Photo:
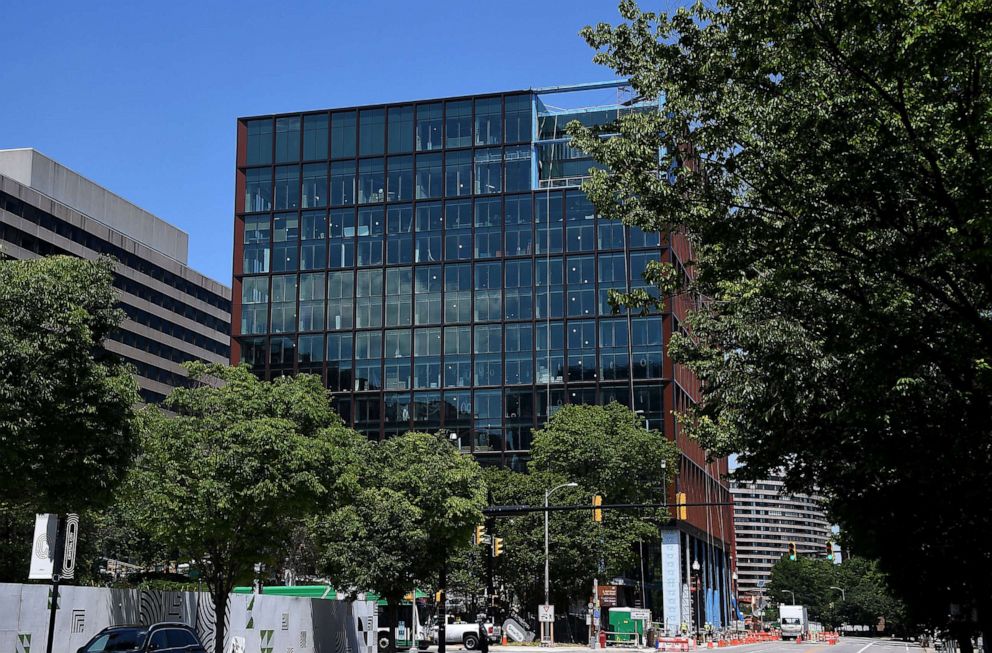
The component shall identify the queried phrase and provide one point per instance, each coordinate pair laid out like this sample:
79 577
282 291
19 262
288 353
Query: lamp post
793 596
547 566
843 594
695 572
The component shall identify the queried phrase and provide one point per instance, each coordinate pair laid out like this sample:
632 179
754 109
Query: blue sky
142 97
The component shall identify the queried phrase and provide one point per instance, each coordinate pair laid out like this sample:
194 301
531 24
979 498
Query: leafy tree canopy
223 480
67 431
831 162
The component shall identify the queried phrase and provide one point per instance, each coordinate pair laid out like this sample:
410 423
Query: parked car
161 638
465 633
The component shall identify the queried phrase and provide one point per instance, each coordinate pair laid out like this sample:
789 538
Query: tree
830 163
67 431
605 450
223 480
865 597
415 505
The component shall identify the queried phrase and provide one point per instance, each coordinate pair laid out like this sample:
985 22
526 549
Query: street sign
640 615
43 547
546 613
761 583
608 596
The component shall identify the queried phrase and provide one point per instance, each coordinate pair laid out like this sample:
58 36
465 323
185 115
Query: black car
157 637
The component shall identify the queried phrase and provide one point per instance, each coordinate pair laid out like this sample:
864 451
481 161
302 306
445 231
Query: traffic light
497 547
681 512
597 512
792 550
439 596
830 550
480 533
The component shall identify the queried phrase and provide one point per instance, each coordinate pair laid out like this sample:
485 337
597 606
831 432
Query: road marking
865 647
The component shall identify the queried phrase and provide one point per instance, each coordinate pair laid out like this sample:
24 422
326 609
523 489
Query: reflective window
287 187
254 305
259 142
426 409
398 348
488 123
253 352
339 350
457 173
399 238
581 278
429 176
400 179
429 127
426 358
646 347
313 250
428 239
488 171
287 139
427 296
371 181
340 296
371 226
315 136
285 238
614 361
342 182
342 238
256 247
458 124
372 132
549 343
457 293
548 223
639 238
400 121
612 276
488 346
258 189
458 230
518 169
488 292
519 293
580 223
519 226
457 356
399 297
282 354
518 118
314 185
283 303
312 287
550 299
610 234
488 228
581 335
343 134
311 353
519 348
368 299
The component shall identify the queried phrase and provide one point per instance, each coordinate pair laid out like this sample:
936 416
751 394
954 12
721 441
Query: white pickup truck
464 632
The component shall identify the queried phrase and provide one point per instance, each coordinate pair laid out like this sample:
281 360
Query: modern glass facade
437 264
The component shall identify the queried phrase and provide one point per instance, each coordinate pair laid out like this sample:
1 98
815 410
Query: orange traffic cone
503 641
799 639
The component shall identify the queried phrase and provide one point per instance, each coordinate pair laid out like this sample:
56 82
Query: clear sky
142 97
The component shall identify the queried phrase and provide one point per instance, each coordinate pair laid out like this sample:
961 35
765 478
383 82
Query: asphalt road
844 645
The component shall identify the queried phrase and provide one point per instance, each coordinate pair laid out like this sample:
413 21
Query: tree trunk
219 594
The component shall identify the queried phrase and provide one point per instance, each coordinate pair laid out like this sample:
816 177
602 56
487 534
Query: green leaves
824 169
67 433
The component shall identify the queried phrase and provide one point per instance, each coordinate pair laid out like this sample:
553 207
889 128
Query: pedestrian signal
792 550
681 512
439 596
597 512
480 533
497 547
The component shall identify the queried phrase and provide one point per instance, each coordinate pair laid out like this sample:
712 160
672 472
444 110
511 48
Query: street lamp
547 566
843 594
793 596
695 571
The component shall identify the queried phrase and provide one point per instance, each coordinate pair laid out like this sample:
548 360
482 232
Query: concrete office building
173 313
766 520
437 263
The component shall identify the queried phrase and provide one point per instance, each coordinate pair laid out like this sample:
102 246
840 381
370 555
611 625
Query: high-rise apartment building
173 313
766 521
438 265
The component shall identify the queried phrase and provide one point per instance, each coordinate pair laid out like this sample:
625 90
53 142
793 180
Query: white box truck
794 621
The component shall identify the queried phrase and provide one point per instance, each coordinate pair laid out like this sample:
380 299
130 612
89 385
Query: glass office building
438 265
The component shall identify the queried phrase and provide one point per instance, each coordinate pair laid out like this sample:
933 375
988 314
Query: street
844 645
